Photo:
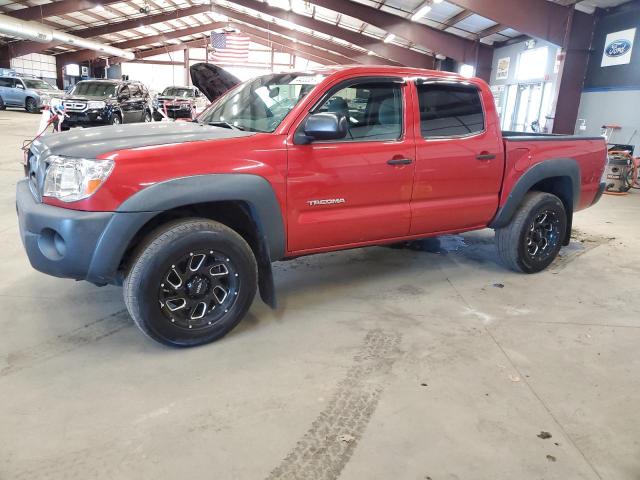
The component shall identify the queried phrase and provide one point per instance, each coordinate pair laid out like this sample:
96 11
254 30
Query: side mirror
325 126
20 86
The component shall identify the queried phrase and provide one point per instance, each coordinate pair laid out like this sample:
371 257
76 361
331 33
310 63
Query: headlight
185 106
94 104
72 179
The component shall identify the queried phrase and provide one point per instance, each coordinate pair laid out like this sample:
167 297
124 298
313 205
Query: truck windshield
260 104
37 84
177 92
95 89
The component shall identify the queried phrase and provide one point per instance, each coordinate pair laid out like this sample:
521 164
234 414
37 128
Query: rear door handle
485 156
400 161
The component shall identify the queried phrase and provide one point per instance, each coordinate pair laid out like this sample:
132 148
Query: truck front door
356 189
459 158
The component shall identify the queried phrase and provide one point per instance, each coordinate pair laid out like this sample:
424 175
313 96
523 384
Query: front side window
449 110
373 110
261 104
135 91
6 82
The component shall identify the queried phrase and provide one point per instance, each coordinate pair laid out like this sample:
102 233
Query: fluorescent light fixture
370 53
438 1
467 70
389 38
421 12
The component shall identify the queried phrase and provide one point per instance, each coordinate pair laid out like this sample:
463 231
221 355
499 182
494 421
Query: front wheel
147 116
2 104
534 236
115 119
192 283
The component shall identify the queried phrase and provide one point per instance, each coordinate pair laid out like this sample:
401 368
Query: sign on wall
618 47
502 72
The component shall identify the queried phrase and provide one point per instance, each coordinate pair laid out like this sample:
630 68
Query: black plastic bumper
58 241
599 193
75 244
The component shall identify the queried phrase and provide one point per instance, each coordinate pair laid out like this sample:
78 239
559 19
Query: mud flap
265 275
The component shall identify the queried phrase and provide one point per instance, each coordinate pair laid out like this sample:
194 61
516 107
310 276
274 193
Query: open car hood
212 81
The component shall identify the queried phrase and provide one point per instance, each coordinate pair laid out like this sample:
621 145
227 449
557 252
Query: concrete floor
379 364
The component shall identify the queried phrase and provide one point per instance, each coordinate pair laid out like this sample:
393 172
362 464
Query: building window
532 64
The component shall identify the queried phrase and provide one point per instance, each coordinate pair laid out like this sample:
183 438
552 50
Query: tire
31 105
531 241
147 116
115 119
2 104
162 277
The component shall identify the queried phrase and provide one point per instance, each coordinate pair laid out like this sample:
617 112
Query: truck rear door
357 189
459 157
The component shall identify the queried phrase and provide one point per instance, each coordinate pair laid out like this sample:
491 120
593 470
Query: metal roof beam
537 18
400 55
56 9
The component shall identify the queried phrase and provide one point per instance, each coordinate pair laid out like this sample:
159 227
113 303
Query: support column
59 73
573 70
186 67
5 58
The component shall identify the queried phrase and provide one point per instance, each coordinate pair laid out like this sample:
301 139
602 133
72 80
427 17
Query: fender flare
556 167
135 212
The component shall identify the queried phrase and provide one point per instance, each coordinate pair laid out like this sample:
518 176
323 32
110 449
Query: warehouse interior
408 356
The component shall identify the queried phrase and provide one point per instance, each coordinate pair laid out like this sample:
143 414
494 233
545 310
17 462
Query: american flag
229 47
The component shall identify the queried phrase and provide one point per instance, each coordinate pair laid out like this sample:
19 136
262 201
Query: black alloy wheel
198 289
534 236
191 282
543 236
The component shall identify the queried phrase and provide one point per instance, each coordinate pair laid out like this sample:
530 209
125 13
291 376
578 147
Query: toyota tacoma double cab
189 216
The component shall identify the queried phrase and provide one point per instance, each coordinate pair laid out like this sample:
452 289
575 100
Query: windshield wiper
225 125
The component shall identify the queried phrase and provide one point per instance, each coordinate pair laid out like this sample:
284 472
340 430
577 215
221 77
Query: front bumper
75 244
59 241
90 118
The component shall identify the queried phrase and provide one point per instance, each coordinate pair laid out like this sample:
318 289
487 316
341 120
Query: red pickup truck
189 216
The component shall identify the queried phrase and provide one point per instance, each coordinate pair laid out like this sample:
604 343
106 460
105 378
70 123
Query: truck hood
175 99
86 98
211 80
92 142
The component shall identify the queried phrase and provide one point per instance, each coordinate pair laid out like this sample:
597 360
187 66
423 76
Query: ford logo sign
617 48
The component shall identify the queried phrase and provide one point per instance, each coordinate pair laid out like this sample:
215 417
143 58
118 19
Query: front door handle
485 156
400 161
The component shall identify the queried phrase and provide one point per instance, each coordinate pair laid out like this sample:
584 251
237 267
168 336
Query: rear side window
449 110
6 82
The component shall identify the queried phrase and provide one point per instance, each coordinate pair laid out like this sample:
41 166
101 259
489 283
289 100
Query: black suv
106 102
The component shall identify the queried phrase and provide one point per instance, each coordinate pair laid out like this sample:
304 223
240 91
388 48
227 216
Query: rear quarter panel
590 154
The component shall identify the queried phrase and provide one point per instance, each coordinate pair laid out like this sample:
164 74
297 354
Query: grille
75 106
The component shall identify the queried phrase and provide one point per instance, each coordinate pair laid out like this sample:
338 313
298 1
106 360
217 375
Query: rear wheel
2 104
115 119
534 236
31 105
192 283
147 116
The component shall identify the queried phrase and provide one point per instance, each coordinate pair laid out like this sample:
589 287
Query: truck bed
524 151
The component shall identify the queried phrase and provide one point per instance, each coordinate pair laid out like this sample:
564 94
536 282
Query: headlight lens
95 104
72 179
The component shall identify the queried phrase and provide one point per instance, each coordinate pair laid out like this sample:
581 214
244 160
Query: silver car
28 93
